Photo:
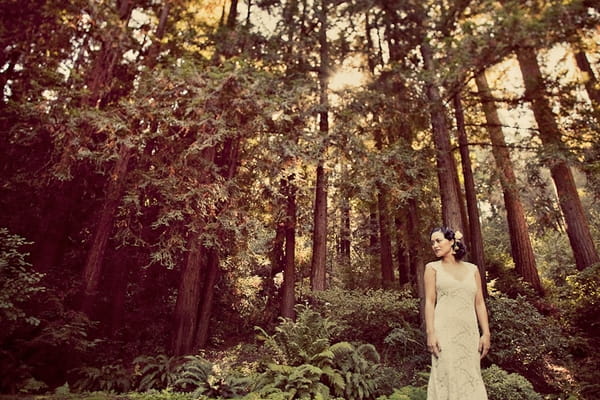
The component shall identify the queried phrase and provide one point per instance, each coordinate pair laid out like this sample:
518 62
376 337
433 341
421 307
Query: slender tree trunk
206 304
578 230
318 277
520 244
188 300
476 239
402 252
319 256
446 166
373 236
412 232
288 297
119 275
385 240
92 270
154 50
51 238
345 233
93 267
590 80
232 16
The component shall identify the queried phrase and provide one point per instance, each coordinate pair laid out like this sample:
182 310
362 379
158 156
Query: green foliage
407 393
301 341
359 367
165 394
501 385
298 382
157 372
108 378
387 319
198 376
579 300
525 341
18 284
346 370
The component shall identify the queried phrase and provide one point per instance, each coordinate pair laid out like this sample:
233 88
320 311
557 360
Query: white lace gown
456 374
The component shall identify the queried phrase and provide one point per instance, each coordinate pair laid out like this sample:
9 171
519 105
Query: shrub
387 319
108 378
301 341
525 341
407 393
501 385
580 299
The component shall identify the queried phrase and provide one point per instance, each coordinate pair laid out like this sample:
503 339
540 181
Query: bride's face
440 245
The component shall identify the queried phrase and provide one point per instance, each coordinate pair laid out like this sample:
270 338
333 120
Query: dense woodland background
233 198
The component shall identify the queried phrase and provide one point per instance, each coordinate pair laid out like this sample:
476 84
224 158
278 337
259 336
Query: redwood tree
578 230
520 244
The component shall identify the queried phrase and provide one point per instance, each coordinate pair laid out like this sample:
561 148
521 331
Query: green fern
158 372
359 367
300 382
108 378
298 342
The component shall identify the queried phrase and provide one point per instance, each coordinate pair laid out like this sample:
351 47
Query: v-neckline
464 278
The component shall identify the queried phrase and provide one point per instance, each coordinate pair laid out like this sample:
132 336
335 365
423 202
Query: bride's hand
433 345
484 345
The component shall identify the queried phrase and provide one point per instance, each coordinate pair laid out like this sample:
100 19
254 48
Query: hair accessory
458 235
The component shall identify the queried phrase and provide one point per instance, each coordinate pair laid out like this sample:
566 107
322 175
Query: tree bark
520 244
318 277
475 236
446 166
93 267
345 233
385 240
92 270
188 300
578 229
590 80
206 303
288 296
402 251
319 255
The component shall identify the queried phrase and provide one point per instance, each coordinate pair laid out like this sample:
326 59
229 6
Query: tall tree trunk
51 238
345 233
578 230
92 270
590 80
402 251
385 240
119 278
206 303
188 300
520 244
232 16
412 233
93 267
373 235
446 166
476 239
154 50
288 297
318 276
52 226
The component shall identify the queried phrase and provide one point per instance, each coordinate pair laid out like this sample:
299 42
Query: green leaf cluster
501 385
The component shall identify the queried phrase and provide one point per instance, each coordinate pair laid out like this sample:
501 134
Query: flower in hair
458 235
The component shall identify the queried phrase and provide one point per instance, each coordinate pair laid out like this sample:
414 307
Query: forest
215 199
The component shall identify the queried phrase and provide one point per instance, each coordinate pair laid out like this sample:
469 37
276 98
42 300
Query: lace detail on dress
456 374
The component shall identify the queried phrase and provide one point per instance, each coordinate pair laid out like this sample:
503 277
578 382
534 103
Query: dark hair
459 247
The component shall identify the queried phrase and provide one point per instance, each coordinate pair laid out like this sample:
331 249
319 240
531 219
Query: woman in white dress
454 305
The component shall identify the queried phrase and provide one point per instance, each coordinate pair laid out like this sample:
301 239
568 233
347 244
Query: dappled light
299 200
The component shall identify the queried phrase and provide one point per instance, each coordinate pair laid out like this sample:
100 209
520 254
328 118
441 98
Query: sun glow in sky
347 78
